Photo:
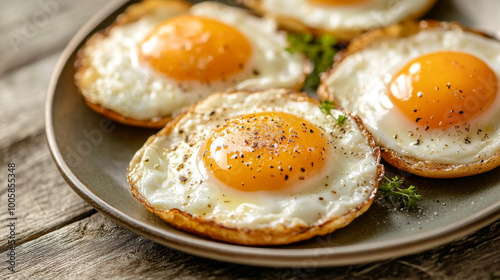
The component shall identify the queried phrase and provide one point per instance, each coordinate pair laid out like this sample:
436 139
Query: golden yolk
339 2
196 48
441 89
265 152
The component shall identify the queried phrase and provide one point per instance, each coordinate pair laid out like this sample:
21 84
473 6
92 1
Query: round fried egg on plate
162 56
342 18
257 168
428 92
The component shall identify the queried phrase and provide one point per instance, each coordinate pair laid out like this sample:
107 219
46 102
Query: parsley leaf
319 50
392 191
341 119
326 107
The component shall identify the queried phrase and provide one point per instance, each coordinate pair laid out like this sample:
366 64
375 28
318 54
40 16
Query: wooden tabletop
59 236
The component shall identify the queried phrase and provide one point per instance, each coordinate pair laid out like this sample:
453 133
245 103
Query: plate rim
247 255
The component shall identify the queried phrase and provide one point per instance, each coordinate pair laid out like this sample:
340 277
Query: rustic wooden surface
59 236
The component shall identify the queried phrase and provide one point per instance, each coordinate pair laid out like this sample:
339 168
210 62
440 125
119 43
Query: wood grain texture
96 248
31 30
44 201
22 101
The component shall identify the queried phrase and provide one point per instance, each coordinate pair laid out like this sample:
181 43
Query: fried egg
257 168
162 56
342 18
428 92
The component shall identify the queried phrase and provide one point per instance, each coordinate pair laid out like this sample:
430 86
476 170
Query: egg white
346 18
115 78
168 174
359 84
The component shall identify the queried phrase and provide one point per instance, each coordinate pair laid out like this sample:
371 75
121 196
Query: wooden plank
44 201
97 248
32 29
22 100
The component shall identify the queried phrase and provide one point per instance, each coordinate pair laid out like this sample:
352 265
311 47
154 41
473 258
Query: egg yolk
442 89
266 152
339 2
196 48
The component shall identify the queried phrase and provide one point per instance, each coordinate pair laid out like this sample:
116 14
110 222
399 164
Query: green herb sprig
341 119
320 51
392 191
326 107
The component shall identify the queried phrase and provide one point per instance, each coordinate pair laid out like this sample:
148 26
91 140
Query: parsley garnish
319 50
392 190
341 119
326 107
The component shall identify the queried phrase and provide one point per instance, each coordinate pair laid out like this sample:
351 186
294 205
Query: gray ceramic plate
92 154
